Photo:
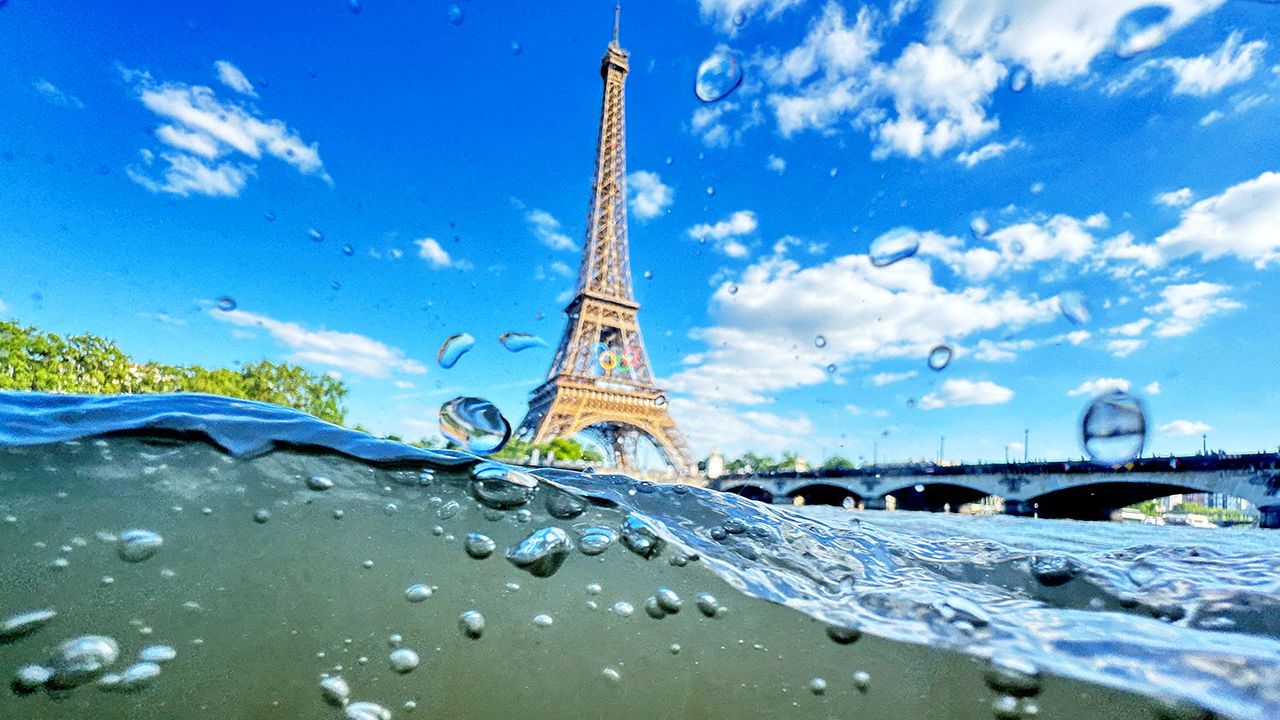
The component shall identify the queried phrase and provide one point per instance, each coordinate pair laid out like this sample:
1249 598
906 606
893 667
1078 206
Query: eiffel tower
600 382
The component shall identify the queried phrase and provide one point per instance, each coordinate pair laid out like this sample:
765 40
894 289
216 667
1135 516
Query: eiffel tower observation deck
601 383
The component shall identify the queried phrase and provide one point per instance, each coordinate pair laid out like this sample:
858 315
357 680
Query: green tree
35 361
836 462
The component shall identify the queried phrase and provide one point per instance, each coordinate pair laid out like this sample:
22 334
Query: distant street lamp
1026 442
1204 444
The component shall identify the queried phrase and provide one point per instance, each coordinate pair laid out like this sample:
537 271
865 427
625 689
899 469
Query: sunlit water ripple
292 551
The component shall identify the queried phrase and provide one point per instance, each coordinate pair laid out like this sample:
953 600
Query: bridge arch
750 491
932 496
824 494
1096 501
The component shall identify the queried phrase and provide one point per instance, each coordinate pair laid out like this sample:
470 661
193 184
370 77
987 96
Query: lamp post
1026 440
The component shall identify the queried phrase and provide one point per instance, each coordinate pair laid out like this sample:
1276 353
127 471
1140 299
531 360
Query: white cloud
349 351
1187 307
547 229
940 100
776 164
1153 388
186 175
1097 386
561 269
56 95
990 151
230 75
1175 198
404 384
960 392
1056 40
1211 117
201 129
1122 348
887 378
3 308
1131 329
762 341
1017 247
723 12
649 196
727 233
1241 221
1206 74
1185 428
710 425
429 249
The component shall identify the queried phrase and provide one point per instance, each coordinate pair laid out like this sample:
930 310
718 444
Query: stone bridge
1078 490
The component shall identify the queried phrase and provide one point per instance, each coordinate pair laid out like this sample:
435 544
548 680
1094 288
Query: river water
190 556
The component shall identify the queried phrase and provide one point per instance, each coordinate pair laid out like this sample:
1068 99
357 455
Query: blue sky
156 159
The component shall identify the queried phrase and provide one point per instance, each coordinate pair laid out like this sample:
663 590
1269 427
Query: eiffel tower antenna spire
600 382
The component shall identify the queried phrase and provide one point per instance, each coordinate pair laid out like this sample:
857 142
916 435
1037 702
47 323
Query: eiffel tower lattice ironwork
600 381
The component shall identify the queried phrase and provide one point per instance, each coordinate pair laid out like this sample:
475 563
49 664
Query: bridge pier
1019 508
875 503
1270 517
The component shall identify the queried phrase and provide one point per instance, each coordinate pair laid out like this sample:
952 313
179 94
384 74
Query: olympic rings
624 362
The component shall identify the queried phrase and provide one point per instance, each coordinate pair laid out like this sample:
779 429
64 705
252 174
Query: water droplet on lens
639 539
354 6
563 506
611 674
889 248
718 75
24 623
262 515
335 690
417 593
648 274
31 677
479 546
733 289
226 304
454 15
1114 429
157 654
138 545
454 347
675 648
541 553
543 620
1141 30
315 235
710 191
660 401
979 227
137 676
708 605
668 600
653 609
348 250
501 487
939 357
831 368
1013 675
472 624
317 482
862 680
1020 79
475 424
818 686
595 540
515 342
367 711
516 47
1006 708
403 660
1074 307
820 341
78 660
